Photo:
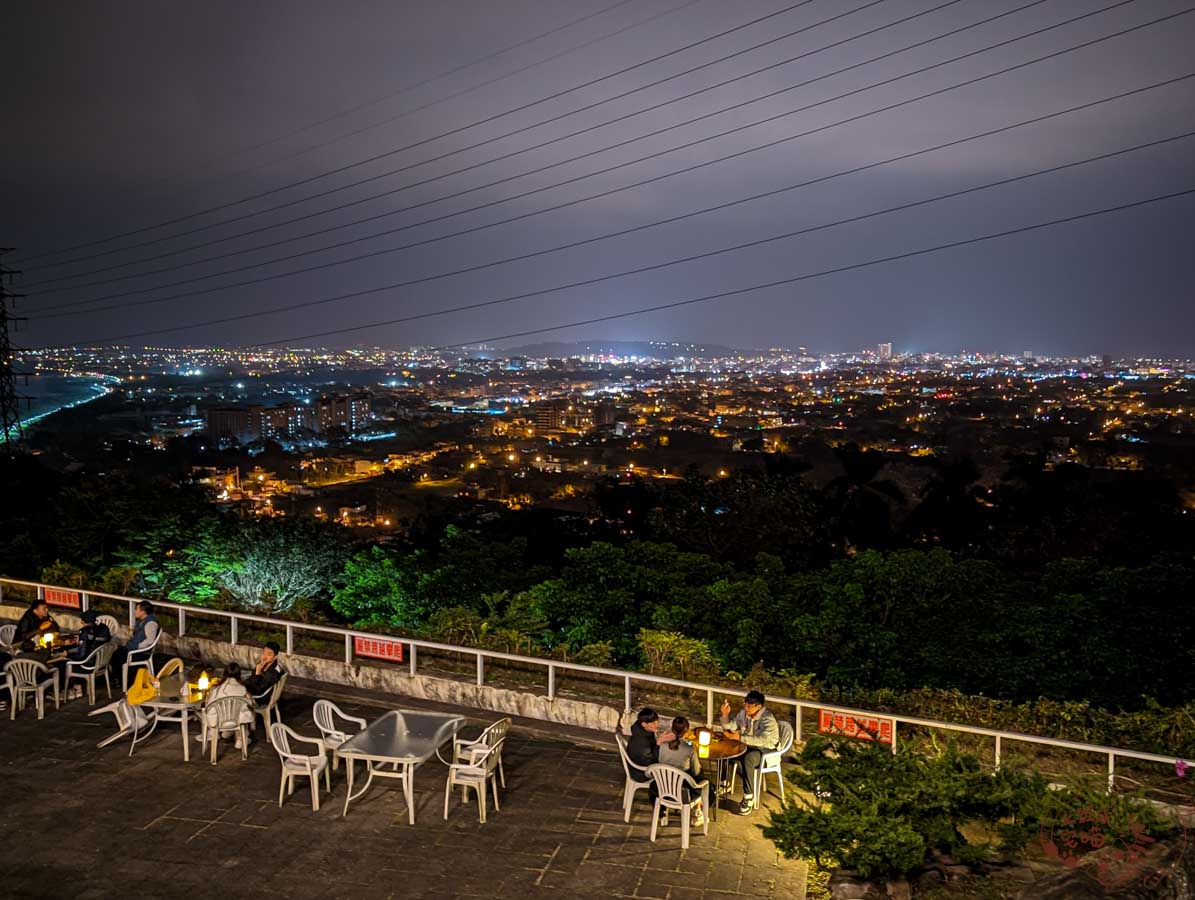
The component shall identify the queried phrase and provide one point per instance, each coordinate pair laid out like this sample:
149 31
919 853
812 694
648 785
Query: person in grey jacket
756 727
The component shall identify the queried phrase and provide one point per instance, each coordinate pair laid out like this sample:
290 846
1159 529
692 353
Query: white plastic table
173 696
403 739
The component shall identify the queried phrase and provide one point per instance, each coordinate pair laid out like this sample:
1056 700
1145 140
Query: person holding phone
756 727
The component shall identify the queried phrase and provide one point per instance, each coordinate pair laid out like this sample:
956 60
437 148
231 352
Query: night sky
124 115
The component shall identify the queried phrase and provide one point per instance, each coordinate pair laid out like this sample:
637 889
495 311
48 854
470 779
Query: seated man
36 619
756 727
145 632
265 674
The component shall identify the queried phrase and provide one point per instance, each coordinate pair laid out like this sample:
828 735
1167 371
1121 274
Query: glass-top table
403 739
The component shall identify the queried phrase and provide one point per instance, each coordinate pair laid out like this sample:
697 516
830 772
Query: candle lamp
703 738
204 682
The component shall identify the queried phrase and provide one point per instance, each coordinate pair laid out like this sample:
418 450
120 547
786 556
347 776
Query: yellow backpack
142 688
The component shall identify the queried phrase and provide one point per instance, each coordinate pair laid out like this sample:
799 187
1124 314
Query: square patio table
173 696
403 739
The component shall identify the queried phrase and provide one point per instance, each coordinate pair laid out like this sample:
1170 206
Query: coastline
70 387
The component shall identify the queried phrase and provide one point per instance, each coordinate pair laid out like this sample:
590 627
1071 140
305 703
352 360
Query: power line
321 266
489 82
419 143
431 80
740 291
698 256
503 157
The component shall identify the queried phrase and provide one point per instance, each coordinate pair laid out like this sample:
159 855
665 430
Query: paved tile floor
87 823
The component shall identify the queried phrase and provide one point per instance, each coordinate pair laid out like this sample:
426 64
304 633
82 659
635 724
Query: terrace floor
87 823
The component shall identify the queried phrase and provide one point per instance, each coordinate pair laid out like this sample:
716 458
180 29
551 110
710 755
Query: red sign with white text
55 597
391 650
861 728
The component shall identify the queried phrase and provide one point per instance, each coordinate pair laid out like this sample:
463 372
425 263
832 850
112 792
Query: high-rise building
885 351
350 413
550 416
247 424
1027 355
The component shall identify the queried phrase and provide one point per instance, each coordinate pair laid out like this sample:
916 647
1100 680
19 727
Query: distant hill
662 350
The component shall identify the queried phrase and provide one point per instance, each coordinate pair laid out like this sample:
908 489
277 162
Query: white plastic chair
111 622
87 670
493 736
769 764
23 679
327 716
7 633
224 714
172 667
269 712
633 784
129 721
479 771
141 658
294 764
670 789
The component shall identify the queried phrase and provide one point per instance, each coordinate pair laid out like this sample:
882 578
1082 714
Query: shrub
882 814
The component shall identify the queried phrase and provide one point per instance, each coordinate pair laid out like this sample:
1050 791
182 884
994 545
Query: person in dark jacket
91 635
36 619
643 745
265 674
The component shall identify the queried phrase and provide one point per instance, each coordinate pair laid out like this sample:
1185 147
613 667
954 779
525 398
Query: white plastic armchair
227 714
493 736
89 669
172 667
130 720
479 771
769 764
632 784
111 622
671 794
328 718
7 633
269 711
295 763
28 676
141 658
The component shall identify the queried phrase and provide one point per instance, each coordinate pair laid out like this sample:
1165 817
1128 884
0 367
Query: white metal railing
626 677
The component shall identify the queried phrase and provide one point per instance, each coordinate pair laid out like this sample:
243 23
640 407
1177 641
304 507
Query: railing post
348 649
894 723
1111 772
551 682
233 620
627 691
998 749
84 602
41 592
413 663
797 737
709 709
290 639
480 669
182 622
132 617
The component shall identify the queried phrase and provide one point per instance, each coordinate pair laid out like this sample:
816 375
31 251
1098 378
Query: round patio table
720 751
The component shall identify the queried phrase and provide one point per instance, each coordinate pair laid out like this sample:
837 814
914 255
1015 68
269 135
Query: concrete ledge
382 678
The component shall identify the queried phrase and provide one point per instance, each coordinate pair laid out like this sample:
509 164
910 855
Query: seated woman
229 686
681 754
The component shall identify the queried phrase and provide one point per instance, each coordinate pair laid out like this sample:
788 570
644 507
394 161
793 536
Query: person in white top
228 686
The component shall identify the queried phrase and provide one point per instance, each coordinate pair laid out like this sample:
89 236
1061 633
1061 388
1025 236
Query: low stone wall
381 677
